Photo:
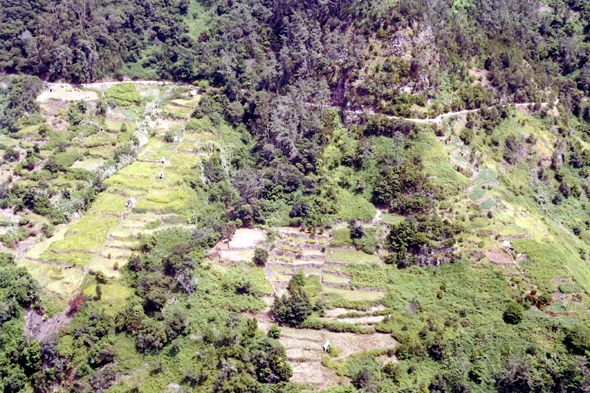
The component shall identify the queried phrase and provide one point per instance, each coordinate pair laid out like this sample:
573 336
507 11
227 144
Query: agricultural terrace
151 193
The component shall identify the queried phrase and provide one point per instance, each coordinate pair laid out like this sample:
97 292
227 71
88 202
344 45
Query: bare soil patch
39 328
67 94
247 238
496 256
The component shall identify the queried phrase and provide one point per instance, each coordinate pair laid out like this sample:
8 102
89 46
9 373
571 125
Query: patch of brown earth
41 329
497 257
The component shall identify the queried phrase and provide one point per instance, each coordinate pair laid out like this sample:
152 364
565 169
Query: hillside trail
436 120
439 118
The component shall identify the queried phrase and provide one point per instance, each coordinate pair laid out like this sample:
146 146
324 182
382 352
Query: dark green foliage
260 256
22 357
392 371
11 155
274 332
297 281
292 309
169 137
366 380
356 230
513 313
17 100
520 374
577 340
151 336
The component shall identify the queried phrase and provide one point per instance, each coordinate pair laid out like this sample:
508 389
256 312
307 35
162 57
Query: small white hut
163 160
175 138
192 93
327 345
131 202
161 175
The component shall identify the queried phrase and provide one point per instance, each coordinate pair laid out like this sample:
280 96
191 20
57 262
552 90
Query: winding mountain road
436 120
439 118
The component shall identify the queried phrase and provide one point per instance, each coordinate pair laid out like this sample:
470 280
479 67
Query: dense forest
414 172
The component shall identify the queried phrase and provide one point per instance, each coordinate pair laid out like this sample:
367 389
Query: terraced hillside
148 194
353 310
153 184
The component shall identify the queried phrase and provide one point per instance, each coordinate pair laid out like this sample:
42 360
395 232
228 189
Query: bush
577 340
169 137
101 278
125 94
260 257
341 238
294 309
513 313
11 155
274 332
356 230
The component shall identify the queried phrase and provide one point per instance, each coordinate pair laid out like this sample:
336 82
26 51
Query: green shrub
169 137
11 155
101 277
577 340
514 313
125 94
193 124
274 332
293 309
260 257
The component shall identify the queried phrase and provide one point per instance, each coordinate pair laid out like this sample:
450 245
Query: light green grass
54 278
70 258
337 293
352 257
351 206
89 164
87 234
108 203
130 184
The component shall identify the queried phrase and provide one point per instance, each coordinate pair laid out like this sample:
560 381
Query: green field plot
333 294
107 266
179 112
87 234
488 204
69 258
166 200
183 162
101 139
57 279
140 169
105 152
478 193
192 102
107 203
116 254
334 279
125 184
89 164
155 150
485 176
352 257
393 219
